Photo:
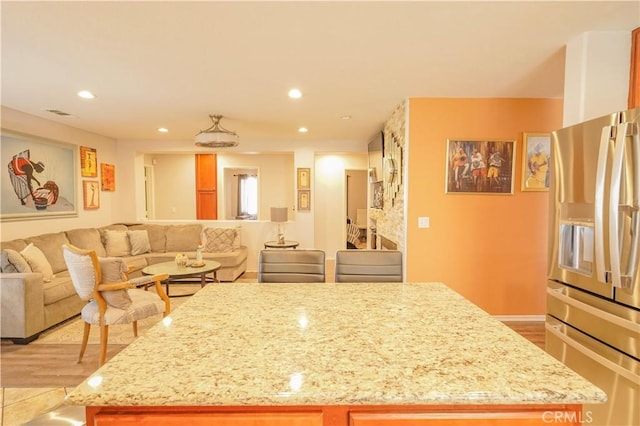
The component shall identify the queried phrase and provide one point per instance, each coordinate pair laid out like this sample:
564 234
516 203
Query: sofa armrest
21 305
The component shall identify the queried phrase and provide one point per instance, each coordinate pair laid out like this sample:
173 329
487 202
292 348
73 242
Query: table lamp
279 215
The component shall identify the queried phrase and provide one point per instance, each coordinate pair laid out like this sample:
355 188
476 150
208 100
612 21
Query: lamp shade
279 214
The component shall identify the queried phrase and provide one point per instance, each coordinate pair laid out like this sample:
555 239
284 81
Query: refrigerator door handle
559 333
559 293
598 225
619 278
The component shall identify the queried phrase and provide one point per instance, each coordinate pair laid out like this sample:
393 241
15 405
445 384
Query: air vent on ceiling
58 112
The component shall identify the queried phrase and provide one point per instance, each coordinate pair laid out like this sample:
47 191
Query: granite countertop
331 344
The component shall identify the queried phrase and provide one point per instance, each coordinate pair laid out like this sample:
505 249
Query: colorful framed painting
108 177
480 167
304 200
41 181
88 162
304 178
536 161
91 194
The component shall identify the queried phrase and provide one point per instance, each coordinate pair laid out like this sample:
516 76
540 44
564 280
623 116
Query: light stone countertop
331 344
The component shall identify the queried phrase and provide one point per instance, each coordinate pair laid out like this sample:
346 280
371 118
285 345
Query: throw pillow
37 261
113 270
219 240
117 243
139 241
12 261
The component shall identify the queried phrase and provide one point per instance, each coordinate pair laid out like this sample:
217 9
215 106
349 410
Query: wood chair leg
85 340
135 329
104 336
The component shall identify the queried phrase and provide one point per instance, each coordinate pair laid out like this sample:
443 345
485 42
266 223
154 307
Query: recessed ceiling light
86 94
303 129
346 117
295 94
163 130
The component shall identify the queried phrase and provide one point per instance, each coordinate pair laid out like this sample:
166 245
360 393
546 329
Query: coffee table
177 273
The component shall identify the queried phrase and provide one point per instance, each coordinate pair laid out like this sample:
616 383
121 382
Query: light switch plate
423 222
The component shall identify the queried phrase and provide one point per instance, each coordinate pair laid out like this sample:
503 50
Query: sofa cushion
220 240
88 239
116 243
12 261
183 237
58 288
51 246
157 236
37 261
16 245
139 241
229 259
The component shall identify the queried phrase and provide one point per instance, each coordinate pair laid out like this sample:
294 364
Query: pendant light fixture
216 136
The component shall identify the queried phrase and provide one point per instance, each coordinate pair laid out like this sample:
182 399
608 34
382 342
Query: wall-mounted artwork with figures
91 194
40 181
480 166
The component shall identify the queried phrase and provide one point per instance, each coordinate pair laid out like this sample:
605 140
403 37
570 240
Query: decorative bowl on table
182 260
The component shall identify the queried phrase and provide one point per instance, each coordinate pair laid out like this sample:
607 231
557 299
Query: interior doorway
148 193
356 208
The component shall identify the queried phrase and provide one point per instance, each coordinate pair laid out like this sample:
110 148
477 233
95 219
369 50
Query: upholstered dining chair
368 266
111 297
291 266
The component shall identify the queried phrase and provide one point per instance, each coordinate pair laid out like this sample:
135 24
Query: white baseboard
520 318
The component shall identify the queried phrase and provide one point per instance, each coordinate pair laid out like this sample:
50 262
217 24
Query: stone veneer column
390 219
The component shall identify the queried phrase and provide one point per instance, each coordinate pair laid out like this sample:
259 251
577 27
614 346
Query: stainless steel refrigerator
593 291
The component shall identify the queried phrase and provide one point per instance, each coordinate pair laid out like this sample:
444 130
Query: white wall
20 122
329 199
596 75
174 186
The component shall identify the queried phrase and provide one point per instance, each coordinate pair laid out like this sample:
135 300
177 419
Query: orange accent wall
489 248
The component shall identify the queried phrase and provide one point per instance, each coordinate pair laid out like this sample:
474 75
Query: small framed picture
304 199
108 177
536 160
304 178
88 162
91 194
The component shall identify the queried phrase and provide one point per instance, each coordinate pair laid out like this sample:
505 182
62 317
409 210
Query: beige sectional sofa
36 294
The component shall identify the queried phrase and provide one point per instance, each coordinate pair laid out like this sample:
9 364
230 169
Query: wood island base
438 415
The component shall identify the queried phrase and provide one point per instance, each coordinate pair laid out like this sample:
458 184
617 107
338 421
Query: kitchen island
332 354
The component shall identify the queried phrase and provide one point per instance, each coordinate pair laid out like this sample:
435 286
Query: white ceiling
171 64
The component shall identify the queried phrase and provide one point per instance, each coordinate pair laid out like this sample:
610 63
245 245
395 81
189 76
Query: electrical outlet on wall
423 222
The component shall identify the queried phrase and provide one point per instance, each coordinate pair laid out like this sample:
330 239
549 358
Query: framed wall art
91 194
41 177
480 167
304 178
536 160
304 200
88 162
108 177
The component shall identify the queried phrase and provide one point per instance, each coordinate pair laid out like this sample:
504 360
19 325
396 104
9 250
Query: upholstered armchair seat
143 304
112 298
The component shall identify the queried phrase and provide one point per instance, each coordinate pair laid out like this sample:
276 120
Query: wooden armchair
111 297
